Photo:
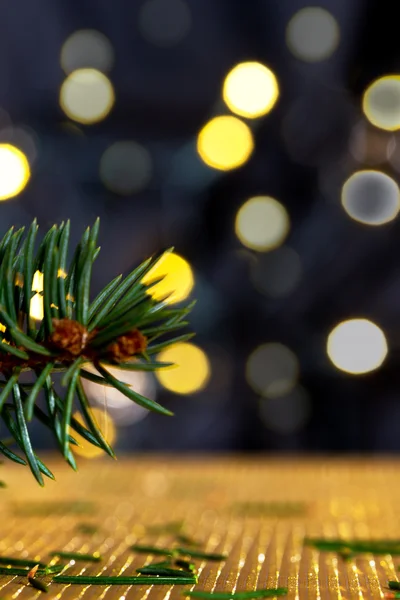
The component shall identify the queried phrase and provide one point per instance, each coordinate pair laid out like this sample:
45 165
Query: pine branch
118 328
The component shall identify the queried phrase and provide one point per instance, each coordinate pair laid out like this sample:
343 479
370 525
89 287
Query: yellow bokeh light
37 282
225 143
192 370
250 89
178 278
36 307
262 223
106 426
14 171
381 102
357 346
87 96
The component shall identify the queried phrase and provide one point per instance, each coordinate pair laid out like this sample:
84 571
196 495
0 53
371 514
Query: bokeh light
123 411
178 278
357 346
276 274
272 370
371 197
87 48
164 22
381 102
37 282
250 89
106 426
191 373
14 171
286 414
125 167
36 310
262 223
23 138
225 143
369 145
312 34
87 96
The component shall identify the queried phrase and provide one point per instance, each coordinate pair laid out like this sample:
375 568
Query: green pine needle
75 333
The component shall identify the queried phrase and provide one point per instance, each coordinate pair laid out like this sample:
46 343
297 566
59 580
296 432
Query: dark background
164 95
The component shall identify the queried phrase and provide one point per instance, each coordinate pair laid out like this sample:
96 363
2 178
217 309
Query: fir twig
118 328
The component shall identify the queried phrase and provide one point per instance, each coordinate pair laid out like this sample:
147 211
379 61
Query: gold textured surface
224 504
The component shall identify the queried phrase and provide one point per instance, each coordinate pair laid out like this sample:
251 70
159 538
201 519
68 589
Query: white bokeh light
122 410
371 197
262 223
87 96
277 273
126 167
287 414
357 346
312 34
272 370
381 102
87 48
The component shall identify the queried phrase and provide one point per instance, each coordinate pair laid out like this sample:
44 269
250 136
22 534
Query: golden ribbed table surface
231 505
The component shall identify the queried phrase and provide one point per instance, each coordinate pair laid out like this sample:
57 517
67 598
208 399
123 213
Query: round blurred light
191 373
262 223
14 171
312 34
178 278
106 426
250 90
357 346
286 414
23 138
272 370
164 22
381 102
125 168
87 96
371 197
122 410
225 143
276 273
87 48
371 146
36 307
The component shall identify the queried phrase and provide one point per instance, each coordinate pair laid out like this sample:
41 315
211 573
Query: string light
272 370
87 96
250 89
225 143
125 168
276 273
191 373
178 279
312 34
87 48
371 197
286 414
14 171
381 102
262 223
357 346
123 411
107 427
